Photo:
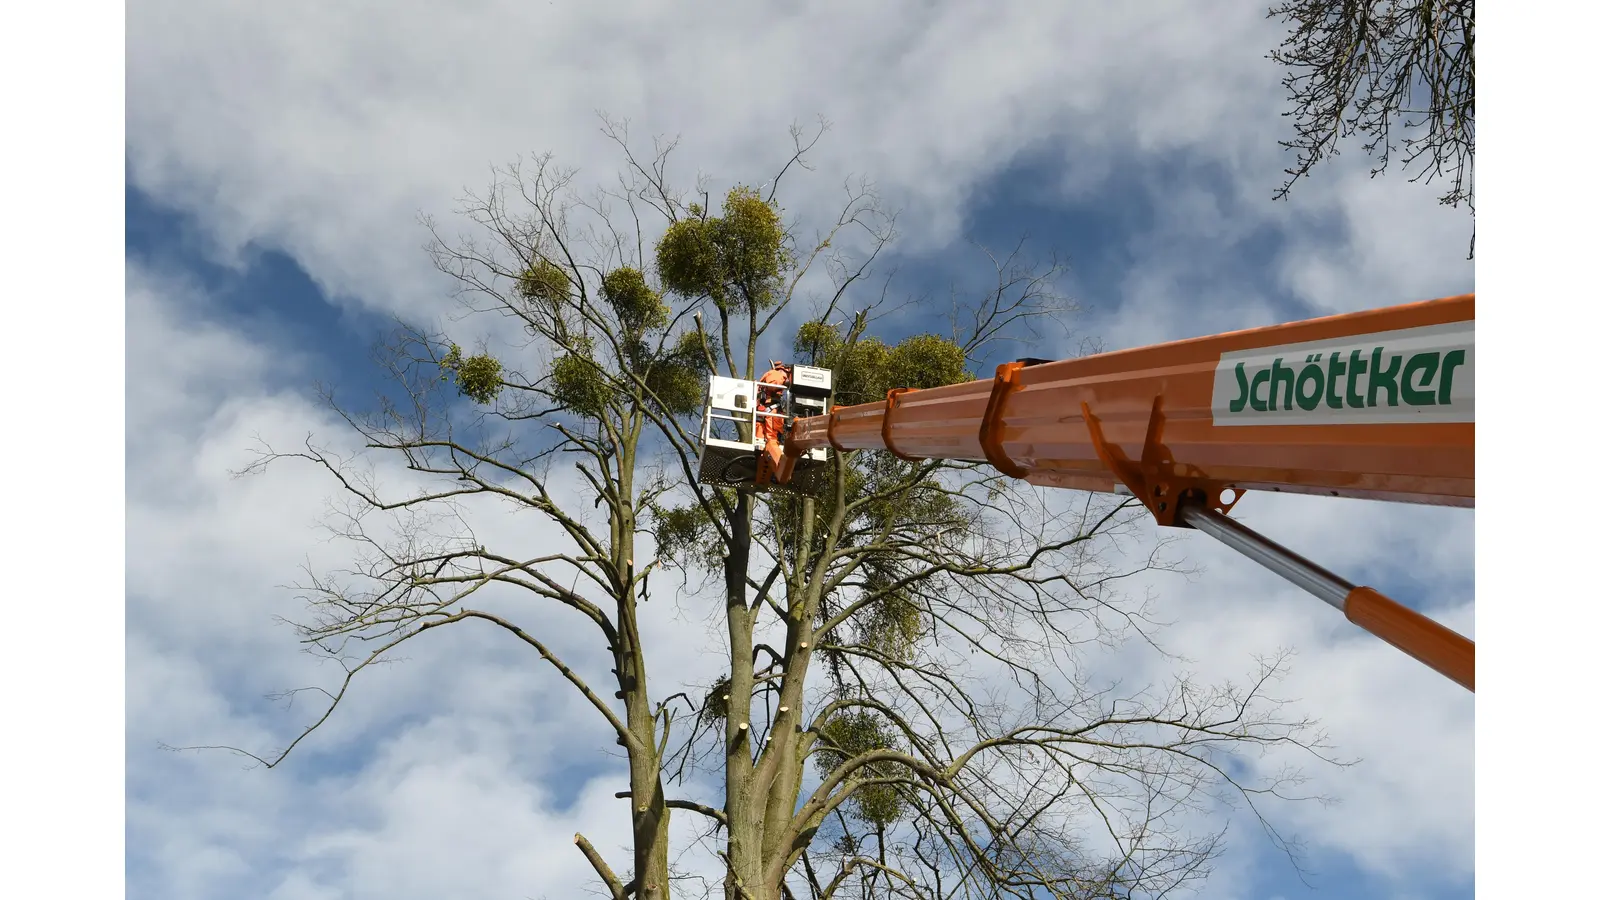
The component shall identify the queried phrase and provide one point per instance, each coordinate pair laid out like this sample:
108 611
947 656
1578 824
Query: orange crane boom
1375 405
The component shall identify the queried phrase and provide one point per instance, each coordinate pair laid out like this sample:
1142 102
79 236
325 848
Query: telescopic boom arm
1375 405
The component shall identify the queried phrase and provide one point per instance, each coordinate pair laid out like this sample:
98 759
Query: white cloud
1399 246
1408 806
469 714
325 129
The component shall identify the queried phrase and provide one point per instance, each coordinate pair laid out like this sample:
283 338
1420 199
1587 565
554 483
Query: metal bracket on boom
1005 382
888 409
1155 480
833 423
1184 501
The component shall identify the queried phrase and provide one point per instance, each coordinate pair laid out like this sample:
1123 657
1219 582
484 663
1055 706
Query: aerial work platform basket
731 450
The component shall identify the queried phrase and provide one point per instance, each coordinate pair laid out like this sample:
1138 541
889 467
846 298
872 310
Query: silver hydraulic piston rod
1436 646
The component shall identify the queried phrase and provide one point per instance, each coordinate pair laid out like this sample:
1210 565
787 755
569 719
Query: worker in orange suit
768 399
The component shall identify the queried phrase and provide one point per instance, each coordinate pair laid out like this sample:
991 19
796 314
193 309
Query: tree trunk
650 829
745 810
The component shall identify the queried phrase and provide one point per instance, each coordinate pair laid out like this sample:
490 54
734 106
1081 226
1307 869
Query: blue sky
274 176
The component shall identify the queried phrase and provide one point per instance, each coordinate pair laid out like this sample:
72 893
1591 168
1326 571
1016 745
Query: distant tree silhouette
1377 67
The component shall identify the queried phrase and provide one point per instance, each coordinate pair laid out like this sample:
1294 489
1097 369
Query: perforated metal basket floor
736 468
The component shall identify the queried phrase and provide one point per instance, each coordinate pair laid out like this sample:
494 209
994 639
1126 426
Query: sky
275 160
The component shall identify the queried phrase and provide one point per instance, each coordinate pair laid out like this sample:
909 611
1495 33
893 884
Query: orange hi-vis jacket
769 427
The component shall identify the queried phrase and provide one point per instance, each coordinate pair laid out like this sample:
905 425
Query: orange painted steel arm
1425 640
1375 404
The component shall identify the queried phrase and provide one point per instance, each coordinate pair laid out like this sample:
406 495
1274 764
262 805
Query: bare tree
1372 67
949 743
